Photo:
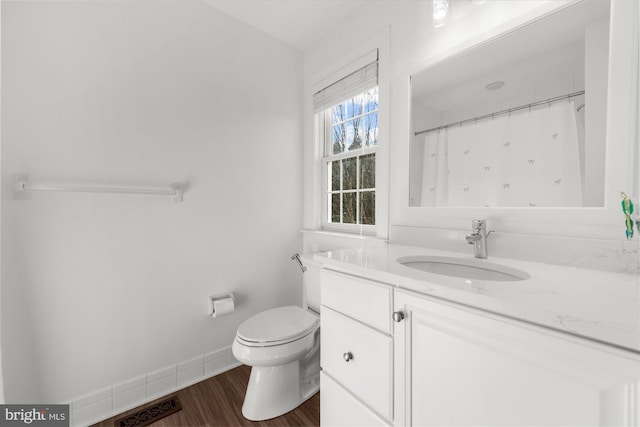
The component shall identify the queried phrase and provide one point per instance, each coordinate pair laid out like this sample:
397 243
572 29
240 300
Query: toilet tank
311 283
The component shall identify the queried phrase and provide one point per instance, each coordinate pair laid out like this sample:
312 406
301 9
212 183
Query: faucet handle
473 238
478 223
296 257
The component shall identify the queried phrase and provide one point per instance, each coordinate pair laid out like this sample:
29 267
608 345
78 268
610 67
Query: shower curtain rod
22 187
497 113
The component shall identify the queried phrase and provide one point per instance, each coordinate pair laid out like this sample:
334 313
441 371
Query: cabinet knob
347 356
398 316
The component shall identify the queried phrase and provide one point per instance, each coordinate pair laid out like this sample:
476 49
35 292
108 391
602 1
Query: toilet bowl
282 347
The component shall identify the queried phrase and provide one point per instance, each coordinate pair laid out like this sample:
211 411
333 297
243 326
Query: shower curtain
523 159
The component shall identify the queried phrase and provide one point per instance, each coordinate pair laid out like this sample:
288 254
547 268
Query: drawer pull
398 316
347 356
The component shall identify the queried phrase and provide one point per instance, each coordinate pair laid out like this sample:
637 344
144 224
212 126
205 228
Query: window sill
350 236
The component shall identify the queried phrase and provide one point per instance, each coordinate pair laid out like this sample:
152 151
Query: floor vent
150 414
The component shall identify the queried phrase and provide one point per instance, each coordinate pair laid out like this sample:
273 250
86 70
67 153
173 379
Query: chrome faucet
478 238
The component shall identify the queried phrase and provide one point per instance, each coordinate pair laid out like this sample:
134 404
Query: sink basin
471 268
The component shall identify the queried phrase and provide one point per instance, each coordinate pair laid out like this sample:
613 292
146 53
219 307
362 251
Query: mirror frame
621 134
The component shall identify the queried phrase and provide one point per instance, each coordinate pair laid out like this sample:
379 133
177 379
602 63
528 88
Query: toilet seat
277 326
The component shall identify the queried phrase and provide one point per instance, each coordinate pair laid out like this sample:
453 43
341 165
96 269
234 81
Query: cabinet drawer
367 301
338 407
368 373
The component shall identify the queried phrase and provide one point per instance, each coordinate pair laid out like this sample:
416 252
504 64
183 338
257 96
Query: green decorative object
627 208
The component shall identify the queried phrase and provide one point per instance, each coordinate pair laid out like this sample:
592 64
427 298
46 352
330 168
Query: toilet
282 346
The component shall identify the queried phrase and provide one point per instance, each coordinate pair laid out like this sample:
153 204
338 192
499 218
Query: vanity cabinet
455 365
356 351
444 364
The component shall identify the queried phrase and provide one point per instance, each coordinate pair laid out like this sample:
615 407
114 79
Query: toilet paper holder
214 301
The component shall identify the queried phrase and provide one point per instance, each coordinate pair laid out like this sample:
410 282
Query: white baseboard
118 398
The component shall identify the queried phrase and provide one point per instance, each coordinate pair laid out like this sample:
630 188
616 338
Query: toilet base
275 390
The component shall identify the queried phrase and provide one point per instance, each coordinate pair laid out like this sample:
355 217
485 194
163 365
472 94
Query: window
348 130
351 160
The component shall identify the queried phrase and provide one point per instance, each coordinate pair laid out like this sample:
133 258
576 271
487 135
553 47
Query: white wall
98 289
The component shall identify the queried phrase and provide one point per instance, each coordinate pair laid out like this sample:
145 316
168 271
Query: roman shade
349 86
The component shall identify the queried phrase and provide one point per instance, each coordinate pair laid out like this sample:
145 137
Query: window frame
322 72
324 125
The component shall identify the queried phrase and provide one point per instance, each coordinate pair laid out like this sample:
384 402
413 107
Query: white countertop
594 304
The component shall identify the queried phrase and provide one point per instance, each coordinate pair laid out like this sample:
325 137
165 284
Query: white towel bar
22 187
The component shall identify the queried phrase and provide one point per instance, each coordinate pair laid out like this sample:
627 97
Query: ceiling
295 22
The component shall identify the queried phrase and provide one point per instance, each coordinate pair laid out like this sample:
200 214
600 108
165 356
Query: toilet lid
278 324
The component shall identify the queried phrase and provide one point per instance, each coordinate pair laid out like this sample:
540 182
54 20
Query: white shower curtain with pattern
523 159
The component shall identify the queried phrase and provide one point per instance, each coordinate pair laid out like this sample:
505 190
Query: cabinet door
459 366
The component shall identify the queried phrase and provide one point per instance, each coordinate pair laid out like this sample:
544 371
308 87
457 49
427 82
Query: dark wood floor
217 402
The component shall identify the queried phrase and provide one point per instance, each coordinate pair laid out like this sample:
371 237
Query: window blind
347 87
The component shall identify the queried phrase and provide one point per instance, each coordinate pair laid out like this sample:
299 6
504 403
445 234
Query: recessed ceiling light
494 85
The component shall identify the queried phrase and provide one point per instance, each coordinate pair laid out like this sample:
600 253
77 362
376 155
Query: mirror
519 121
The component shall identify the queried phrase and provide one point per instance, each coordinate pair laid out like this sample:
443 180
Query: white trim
347 154
109 402
354 229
